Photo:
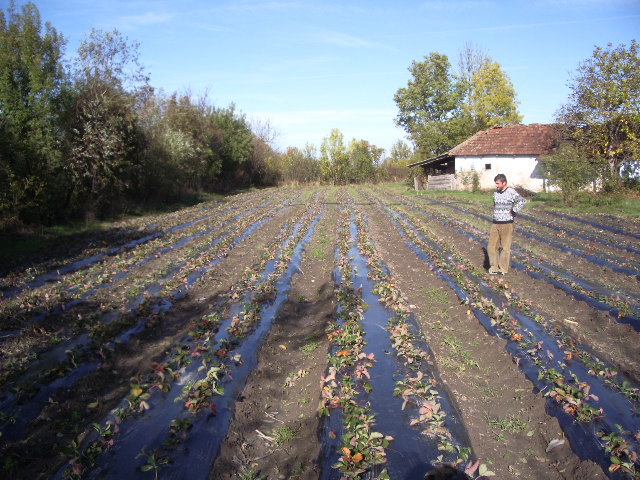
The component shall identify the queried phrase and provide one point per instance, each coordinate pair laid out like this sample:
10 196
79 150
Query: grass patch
314 336
42 240
460 354
168 207
436 295
284 435
310 347
331 194
298 471
489 392
320 244
621 203
251 475
451 195
510 423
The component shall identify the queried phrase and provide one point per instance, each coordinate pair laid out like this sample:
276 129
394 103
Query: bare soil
485 393
275 429
616 342
68 411
283 392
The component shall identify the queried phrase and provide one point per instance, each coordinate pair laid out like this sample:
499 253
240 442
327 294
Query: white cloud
517 26
345 40
586 3
299 127
458 5
148 18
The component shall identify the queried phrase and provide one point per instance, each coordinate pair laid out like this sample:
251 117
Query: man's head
501 181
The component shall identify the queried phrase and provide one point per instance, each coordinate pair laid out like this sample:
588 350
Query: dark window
487 166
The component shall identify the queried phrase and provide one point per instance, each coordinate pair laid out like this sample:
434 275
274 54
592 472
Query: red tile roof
534 139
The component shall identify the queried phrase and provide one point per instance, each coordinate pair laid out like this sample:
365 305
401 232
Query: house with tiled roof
510 149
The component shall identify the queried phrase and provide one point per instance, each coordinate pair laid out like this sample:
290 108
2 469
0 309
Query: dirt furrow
93 396
274 432
587 325
506 420
564 259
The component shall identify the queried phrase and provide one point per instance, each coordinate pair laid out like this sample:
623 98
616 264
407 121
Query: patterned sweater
504 202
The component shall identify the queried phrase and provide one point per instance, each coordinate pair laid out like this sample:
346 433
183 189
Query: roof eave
429 161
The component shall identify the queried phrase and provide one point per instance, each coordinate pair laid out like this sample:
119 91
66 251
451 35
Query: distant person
506 204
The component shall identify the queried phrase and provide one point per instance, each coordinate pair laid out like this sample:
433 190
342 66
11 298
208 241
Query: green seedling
155 461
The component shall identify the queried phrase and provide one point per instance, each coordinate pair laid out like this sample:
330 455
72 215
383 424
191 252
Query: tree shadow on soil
20 250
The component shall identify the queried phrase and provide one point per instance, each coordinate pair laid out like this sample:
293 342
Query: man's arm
518 203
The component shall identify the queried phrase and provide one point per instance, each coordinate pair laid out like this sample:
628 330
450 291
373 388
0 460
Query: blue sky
309 66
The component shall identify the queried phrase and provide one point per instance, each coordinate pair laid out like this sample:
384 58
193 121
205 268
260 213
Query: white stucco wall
519 169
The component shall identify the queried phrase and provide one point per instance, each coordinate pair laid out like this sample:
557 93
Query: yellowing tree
334 159
492 99
440 108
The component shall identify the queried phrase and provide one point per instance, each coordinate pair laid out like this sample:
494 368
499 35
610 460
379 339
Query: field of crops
348 332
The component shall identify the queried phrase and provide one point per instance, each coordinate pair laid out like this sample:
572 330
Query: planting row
623 305
101 320
588 392
416 428
121 236
604 253
181 409
64 286
32 384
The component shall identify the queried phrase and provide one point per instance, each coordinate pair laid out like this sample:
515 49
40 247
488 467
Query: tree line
90 137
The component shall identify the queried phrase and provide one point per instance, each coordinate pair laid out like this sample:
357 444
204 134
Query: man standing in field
506 204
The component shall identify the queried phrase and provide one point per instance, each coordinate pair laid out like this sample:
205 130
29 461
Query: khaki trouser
500 237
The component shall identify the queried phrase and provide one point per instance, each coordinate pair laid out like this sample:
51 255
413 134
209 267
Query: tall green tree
430 106
232 147
364 158
32 84
178 131
104 139
603 111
